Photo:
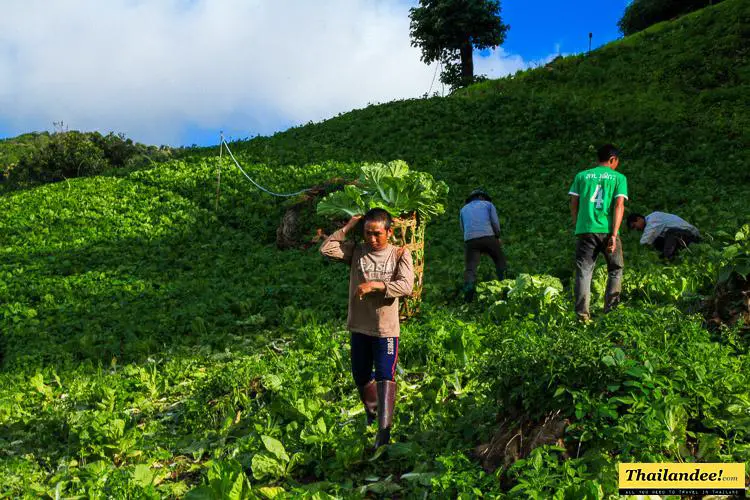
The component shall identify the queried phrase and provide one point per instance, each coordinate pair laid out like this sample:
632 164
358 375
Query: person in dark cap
481 229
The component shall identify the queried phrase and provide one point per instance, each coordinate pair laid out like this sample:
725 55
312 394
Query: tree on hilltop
448 31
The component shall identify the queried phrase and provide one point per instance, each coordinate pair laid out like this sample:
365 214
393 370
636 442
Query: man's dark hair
634 218
378 215
606 152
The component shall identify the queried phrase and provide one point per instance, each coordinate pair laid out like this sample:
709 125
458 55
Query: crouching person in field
667 233
380 274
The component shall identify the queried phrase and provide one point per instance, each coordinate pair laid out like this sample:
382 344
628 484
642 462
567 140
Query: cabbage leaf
393 187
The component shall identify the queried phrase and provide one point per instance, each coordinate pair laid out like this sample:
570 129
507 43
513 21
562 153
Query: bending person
667 233
380 274
481 229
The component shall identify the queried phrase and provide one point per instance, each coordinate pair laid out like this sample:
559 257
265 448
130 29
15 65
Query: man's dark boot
386 402
468 290
368 393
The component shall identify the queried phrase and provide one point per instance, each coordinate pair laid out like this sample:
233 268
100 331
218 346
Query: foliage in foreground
194 370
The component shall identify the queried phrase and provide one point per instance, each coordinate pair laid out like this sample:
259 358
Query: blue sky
539 26
179 71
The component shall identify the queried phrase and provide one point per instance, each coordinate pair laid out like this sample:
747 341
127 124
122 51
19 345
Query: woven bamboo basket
408 232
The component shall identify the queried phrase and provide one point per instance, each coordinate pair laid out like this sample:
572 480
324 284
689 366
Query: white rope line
282 195
440 64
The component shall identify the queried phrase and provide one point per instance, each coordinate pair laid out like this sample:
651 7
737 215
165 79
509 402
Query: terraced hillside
153 346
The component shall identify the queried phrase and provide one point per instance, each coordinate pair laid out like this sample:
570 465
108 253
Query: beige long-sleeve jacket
377 313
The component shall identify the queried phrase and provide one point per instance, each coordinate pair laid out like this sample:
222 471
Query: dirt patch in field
517 435
730 303
294 230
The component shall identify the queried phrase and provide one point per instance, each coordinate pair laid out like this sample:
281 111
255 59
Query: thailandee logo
666 475
682 479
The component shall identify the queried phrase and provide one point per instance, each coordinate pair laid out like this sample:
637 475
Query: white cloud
152 69
498 63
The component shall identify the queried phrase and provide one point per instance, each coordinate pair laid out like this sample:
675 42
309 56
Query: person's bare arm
370 287
574 202
619 212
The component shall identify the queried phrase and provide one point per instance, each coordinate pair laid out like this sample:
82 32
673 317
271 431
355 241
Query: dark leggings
382 352
673 241
473 250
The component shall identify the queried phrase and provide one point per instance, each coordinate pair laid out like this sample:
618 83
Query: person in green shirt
597 204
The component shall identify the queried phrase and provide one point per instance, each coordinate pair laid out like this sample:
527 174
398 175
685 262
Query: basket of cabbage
412 198
391 186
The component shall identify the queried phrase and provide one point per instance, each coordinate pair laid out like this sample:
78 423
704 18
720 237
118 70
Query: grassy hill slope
152 345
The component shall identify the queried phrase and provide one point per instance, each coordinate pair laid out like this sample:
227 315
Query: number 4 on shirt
598 196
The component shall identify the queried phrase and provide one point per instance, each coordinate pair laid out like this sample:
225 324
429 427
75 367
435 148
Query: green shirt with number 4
597 189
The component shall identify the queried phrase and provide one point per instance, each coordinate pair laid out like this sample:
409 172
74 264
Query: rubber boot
368 393
386 402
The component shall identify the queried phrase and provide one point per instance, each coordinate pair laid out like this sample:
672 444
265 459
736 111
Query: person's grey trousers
588 248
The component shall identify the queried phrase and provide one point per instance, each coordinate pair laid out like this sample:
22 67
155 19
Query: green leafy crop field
153 346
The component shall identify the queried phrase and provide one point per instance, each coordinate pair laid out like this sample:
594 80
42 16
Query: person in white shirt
667 233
